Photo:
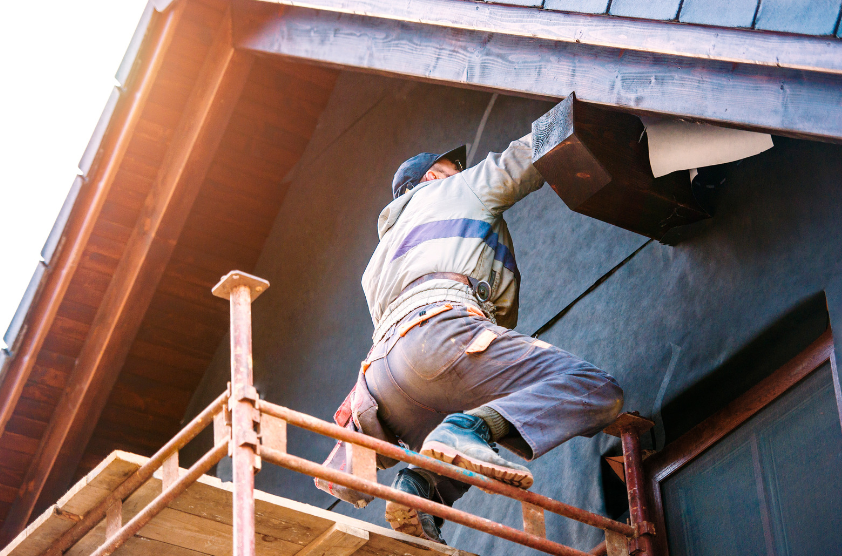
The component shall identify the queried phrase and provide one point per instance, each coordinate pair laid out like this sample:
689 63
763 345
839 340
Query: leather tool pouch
358 413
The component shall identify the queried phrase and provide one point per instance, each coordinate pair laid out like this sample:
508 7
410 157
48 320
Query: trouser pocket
430 347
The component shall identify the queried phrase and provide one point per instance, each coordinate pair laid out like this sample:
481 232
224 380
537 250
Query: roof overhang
760 81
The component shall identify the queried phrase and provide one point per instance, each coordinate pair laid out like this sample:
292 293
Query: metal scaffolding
251 430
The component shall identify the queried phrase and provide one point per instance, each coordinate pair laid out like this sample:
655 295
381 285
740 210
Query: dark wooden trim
689 446
738 46
751 96
135 280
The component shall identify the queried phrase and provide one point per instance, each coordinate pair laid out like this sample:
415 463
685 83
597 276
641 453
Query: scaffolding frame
251 430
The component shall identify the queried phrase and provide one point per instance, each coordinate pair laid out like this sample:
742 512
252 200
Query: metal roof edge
5 360
127 63
91 151
51 245
16 325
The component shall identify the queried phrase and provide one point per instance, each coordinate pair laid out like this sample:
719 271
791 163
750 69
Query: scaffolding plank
198 523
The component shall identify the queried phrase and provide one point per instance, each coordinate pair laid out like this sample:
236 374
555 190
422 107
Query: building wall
682 328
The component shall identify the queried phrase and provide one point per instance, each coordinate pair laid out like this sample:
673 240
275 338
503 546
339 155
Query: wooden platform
198 523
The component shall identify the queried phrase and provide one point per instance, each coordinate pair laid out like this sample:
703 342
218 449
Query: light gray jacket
451 225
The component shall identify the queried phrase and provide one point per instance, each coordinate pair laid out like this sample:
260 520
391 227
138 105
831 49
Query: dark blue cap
412 171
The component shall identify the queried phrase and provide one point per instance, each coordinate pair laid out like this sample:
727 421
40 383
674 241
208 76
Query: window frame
706 434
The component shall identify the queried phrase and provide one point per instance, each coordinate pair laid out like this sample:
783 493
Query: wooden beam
696 86
131 289
738 46
81 223
595 161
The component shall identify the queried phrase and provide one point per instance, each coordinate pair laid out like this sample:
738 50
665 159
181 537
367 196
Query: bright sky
57 62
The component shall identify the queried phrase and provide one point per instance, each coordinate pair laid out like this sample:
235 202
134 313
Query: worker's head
426 167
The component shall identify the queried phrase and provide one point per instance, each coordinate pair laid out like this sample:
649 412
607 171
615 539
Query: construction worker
449 376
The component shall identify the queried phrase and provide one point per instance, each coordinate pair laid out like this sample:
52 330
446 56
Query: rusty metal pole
628 427
241 289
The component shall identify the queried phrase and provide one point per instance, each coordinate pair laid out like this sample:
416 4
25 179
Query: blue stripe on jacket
459 227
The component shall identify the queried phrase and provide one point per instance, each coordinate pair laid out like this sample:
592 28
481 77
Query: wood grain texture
339 540
129 292
199 522
748 97
80 226
723 45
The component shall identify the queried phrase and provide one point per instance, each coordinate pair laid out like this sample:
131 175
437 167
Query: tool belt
357 413
481 288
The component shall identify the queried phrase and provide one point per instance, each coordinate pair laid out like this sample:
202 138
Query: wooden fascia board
83 217
137 275
738 46
757 97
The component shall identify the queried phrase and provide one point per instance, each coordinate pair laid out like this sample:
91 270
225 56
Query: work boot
464 441
409 520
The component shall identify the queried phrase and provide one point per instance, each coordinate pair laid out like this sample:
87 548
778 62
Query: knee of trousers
608 399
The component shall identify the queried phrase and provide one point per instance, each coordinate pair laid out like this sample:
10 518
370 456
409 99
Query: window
764 475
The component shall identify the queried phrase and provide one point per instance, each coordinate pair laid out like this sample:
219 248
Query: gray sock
497 424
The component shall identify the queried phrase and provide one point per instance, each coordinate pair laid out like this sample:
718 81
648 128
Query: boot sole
404 519
447 454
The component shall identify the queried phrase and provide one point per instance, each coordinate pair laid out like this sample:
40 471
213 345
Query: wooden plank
199 522
339 540
146 256
18 443
747 95
81 498
165 374
26 427
722 45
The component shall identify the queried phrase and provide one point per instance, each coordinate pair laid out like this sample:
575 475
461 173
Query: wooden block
629 420
618 466
169 471
616 544
273 432
221 427
533 520
339 540
364 463
113 519
597 163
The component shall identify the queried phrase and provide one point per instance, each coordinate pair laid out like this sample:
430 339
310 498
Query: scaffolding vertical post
241 289
628 428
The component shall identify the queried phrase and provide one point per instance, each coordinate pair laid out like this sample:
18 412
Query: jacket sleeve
503 179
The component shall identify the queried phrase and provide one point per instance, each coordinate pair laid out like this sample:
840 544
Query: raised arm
503 179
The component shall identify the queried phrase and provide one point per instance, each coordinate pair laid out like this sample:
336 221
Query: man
449 376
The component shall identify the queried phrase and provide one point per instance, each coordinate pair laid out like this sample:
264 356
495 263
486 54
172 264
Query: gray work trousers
547 394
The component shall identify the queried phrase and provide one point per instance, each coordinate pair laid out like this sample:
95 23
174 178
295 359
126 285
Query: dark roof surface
806 17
